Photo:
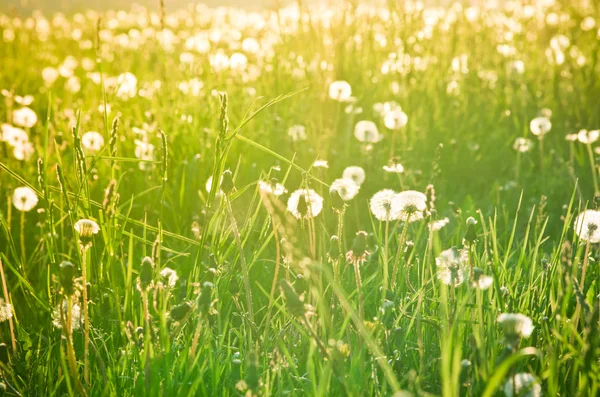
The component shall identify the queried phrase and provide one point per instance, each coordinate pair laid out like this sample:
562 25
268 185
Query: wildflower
60 314
334 249
292 301
275 188
305 203
480 280
588 136
86 229
522 145
6 310
571 137
358 253
146 273
126 86
437 225
515 326
49 75
471 234
24 199
587 226
366 131
452 266
346 188
24 100
67 271
524 385
24 117
297 133
208 185
320 164
144 151
341 91
92 141
180 311
381 205
395 168
540 126
409 205
355 173
170 275
395 120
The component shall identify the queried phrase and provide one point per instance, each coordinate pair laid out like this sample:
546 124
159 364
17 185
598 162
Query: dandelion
170 275
24 117
587 226
515 326
297 133
366 131
522 145
452 266
346 188
355 173
144 151
6 310
409 205
340 91
126 86
381 205
59 314
588 136
320 164
437 225
522 385
305 203
86 229
273 187
480 280
357 256
24 199
395 120
92 141
394 168
540 126
208 185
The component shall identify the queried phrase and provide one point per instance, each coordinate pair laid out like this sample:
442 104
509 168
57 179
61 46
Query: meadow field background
340 199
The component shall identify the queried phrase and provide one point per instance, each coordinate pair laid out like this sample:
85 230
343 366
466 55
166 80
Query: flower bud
67 271
227 184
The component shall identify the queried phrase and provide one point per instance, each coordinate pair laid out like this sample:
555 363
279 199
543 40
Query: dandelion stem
86 322
361 305
6 298
23 251
585 263
386 258
275 277
399 252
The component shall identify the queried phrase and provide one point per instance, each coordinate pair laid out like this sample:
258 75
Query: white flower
320 164
24 100
86 228
24 199
170 275
357 174
587 226
208 185
522 144
144 151
276 189
381 205
24 117
540 126
395 168
340 91
409 205
516 325
305 203
60 313
297 133
49 74
6 310
524 384
452 266
588 137
395 120
346 188
126 86
480 280
438 224
366 131
92 141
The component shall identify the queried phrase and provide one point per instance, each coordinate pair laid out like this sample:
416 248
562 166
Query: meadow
341 199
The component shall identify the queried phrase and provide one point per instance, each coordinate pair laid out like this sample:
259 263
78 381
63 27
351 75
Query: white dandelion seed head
394 168
346 188
522 145
366 131
572 137
170 275
452 265
381 205
524 384
516 325
313 201
276 189
587 226
340 91
86 228
297 133
92 141
395 120
483 282
540 126
409 205
126 86
24 117
320 164
209 182
588 136
438 224
6 310
24 199
59 314
355 173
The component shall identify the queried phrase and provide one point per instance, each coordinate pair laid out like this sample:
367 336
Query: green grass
267 304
